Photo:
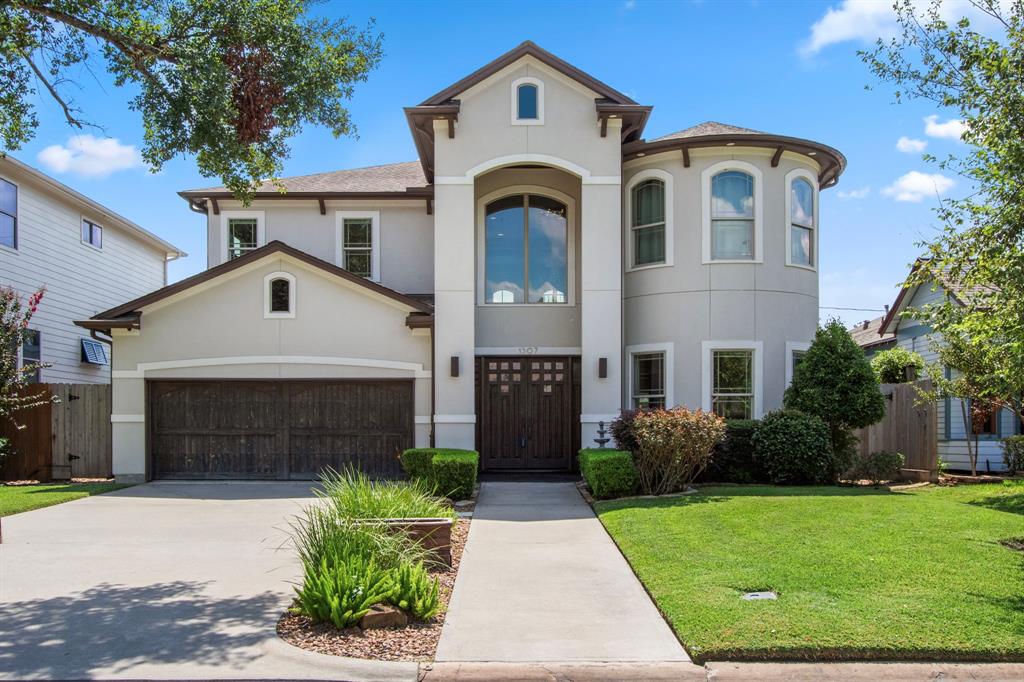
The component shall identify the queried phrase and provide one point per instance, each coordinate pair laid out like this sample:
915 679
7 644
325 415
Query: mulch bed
415 642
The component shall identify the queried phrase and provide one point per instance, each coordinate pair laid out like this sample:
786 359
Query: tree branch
72 121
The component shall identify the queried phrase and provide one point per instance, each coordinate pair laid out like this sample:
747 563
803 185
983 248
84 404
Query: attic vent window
279 295
527 102
94 352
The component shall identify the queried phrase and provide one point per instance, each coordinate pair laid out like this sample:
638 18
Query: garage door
277 429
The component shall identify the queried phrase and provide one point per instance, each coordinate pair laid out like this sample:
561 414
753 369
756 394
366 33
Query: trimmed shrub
734 460
622 431
674 447
608 473
416 461
1013 454
453 473
447 471
891 365
794 448
877 467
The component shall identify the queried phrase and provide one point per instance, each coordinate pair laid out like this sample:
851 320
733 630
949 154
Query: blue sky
782 67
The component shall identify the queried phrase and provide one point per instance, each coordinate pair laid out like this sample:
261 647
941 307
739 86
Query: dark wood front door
277 429
528 411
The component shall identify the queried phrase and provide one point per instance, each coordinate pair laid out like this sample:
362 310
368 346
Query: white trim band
455 419
423 419
139 372
595 418
127 418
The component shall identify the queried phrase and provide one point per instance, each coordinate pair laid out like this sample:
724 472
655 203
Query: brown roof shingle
392 177
865 334
709 128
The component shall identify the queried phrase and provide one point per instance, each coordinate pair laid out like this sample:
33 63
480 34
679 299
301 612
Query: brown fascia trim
421 125
634 118
96 324
132 307
833 162
528 48
197 199
419 321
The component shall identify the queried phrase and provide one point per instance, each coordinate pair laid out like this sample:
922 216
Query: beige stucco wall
218 330
691 302
406 235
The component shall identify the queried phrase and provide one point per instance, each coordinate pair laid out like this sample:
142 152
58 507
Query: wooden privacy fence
62 439
909 427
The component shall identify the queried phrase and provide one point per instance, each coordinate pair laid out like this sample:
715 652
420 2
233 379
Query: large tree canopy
978 76
228 81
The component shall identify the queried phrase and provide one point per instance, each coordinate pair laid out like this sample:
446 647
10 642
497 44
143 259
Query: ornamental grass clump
354 495
674 447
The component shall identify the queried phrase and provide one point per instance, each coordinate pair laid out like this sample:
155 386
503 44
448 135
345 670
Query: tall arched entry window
526 245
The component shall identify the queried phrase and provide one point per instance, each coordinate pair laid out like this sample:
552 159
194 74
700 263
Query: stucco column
601 303
454 310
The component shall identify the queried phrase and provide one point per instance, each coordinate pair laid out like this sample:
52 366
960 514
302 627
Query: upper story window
92 234
648 222
359 242
279 295
242 236
527 101
732 211
801 208
8 214
732 216
526 245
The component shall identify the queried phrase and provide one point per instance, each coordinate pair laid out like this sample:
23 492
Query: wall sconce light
455 366
602 368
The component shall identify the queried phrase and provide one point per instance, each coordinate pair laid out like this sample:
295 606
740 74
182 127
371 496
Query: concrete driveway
164 580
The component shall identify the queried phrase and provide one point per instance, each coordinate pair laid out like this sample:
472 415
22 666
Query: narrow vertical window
732 392
732 216
801 223
92 234
648 381
280 295
242 236
358 246
32 354
526 96
8 214
647 222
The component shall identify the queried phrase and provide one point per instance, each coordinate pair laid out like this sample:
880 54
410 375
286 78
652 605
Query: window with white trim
279 295
243 236
8 214
358 239
527 101
801 222
92 234
647 222
649 380
732 216
732 387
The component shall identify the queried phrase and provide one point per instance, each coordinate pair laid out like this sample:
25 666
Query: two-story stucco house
539 268
87 256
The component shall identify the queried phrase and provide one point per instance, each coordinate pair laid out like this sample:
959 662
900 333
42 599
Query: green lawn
860 573
15 499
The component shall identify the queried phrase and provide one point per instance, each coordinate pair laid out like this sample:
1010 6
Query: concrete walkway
540 580
160 581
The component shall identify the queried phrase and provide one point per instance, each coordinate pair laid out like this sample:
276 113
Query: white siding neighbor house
539 268
896 328
88 258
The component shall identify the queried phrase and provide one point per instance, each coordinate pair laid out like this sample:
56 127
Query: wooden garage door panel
277 429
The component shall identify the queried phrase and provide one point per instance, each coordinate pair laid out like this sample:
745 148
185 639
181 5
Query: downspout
433 380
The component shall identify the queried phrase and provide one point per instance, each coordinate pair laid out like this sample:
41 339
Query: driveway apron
540 580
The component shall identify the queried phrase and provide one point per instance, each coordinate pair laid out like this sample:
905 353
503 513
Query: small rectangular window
732 392
358 246
648 381
8 214
242 236
94 352
32 353
798 357
92 234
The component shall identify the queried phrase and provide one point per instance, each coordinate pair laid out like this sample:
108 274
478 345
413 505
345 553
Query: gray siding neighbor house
87 256
538 268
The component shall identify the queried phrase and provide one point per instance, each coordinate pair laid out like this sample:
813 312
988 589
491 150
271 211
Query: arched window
527 101
279 295
647 222
526 248
732 216
801 222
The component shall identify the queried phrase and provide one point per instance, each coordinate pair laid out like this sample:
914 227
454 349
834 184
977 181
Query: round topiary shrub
794 448
897 365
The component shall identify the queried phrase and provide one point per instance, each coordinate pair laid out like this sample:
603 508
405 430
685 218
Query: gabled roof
958 291
524 49
127 315
391 177
171 251
866 334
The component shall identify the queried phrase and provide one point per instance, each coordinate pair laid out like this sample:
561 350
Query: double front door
528 411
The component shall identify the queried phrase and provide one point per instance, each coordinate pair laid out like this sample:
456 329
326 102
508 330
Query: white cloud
910 145
951 129
854 193
90 157
915 186
859 20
